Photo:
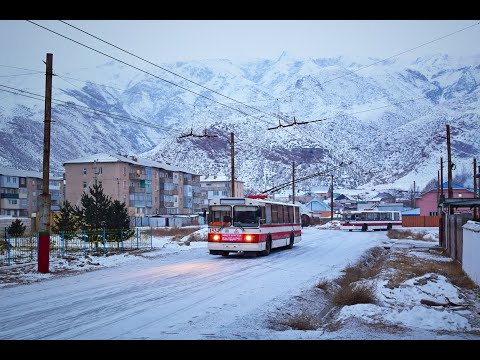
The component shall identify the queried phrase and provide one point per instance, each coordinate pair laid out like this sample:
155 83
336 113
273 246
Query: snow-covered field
179 291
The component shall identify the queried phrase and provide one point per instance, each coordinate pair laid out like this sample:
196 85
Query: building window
34 193
124 171
124 184
100 184
84 184
99 170
84 171
131 183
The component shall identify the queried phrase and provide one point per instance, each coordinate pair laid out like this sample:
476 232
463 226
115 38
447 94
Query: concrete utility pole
414 195
474 186
232 155
449 160
44 233
293 182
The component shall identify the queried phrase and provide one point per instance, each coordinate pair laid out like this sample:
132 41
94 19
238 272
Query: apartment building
21 190
218 185
147 187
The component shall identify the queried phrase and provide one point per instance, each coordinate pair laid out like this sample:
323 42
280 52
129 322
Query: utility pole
449 161
44 233
414 195
232 155
331 201
438 186
441 176
474 186
293 182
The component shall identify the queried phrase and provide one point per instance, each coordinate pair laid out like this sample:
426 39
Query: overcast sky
25 45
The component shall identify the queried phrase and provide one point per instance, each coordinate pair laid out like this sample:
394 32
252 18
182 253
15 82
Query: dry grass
352 292
367 268
355 294
408 267
391 328
406 234
322 284
197 237
302 321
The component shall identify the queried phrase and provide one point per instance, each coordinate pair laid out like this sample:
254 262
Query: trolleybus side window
268 213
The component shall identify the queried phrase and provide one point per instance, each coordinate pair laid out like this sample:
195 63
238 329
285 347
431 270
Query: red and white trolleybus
251 225
371 220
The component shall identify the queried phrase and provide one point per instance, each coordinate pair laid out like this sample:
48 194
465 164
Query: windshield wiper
239 225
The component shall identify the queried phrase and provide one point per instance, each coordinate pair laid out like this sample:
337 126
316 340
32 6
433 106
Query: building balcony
135 176
8 196
165 180
166 204
169 192
134 189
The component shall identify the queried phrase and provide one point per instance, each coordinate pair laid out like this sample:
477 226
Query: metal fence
24 249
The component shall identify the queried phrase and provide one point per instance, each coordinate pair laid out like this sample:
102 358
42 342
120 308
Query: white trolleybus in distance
252 225
371 220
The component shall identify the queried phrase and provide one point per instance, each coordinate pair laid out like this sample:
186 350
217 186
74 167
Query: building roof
112 158
214 178
26 173
317 205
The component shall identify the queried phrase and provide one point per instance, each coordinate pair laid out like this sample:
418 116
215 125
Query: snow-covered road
185 295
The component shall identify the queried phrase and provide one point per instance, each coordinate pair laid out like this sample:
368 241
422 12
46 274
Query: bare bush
406 234
322 284
301 321
352 294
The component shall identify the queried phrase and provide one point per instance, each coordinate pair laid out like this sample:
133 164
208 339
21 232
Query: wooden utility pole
232 155
293 182
441 176
331 201
44 233
449 161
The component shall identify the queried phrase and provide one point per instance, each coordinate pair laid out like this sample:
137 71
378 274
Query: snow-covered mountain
384 122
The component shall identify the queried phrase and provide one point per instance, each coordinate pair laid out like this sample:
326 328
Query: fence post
63 243
137 238
104 243
151 237
8 249
84 243
121 238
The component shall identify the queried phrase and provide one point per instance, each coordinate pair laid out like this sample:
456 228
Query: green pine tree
119 220
96 206
67 221
16 228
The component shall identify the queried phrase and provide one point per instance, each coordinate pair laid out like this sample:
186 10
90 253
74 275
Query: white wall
471 250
